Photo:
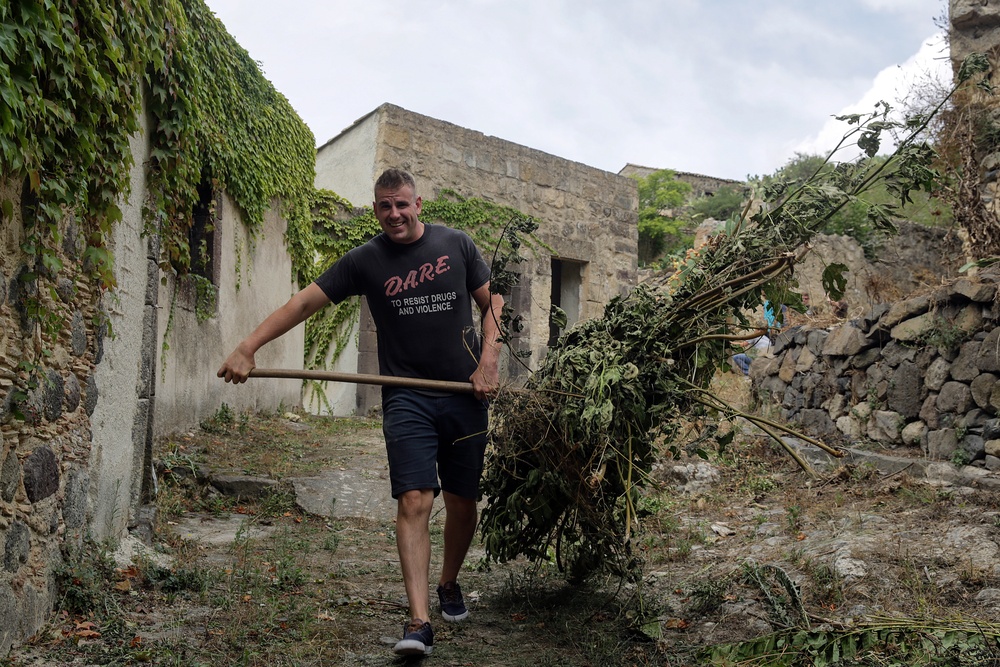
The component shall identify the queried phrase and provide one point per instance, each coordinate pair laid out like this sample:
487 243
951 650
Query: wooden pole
361 378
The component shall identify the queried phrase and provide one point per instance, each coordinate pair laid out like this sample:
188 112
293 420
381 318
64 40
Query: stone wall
49 392
701 185
917 258
972 130
253 278
919 374
81 394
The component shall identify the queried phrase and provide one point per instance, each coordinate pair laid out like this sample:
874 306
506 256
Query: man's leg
459 529
413 512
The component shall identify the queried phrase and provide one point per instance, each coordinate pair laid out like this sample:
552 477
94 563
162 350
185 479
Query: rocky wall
47 394
918 374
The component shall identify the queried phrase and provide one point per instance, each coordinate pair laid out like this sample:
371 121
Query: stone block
954 397
884 426
974 446
904 310
862 411
10 474
844 341
929 413
90 395
17 546
905 393
8 618
41 474
969 320
817 422
964 368
53 395
835 405
815 341
913 434
941 444
805 360
915 328
850 427
895 353
975 290
78 334
982 391
71 395
244 486
866 358
938 372
787 369
988 359
992 447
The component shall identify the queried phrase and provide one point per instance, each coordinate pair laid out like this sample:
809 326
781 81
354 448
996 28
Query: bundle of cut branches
569 457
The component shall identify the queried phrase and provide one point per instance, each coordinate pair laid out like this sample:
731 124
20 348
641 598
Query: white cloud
892 85
727 88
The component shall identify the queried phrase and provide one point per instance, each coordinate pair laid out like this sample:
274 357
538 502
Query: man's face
397 210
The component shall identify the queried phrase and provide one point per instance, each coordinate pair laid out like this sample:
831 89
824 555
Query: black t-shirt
419 295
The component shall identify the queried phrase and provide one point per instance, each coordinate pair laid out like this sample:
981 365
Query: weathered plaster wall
255 278
349 170
586 214
123 360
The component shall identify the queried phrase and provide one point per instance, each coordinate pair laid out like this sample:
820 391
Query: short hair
392 179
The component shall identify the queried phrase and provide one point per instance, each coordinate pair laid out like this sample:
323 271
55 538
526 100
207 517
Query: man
418 279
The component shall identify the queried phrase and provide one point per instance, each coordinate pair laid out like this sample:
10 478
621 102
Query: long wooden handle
361 378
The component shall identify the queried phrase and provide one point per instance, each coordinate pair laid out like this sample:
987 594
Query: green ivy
70 78
69 94
216 117
72 75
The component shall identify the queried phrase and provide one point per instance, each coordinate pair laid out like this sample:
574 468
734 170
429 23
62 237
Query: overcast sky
726 88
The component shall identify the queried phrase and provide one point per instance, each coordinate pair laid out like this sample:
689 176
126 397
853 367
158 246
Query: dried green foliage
570 456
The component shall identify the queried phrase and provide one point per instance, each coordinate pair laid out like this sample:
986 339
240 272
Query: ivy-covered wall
116 119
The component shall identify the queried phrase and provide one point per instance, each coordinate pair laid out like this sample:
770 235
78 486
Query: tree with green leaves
726 203
853 219
660 229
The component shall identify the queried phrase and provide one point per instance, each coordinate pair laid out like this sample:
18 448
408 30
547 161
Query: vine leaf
834 282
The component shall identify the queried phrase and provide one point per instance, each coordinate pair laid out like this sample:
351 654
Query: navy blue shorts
427 437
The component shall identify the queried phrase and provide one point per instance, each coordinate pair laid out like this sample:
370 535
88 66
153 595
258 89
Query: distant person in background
808 305
839 308
754 347
760 344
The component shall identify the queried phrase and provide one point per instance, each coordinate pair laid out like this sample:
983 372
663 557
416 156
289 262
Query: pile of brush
570 456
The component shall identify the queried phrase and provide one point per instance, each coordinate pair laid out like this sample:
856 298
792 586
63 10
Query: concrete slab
348 493
219 530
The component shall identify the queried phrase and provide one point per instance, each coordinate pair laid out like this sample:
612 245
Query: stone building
587 218
701 185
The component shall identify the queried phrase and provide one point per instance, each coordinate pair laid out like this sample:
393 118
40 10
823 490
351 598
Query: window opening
567 288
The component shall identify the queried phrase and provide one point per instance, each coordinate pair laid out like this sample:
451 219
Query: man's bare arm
296 310
486 377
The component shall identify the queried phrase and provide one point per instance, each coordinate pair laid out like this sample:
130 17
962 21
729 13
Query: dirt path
735 549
